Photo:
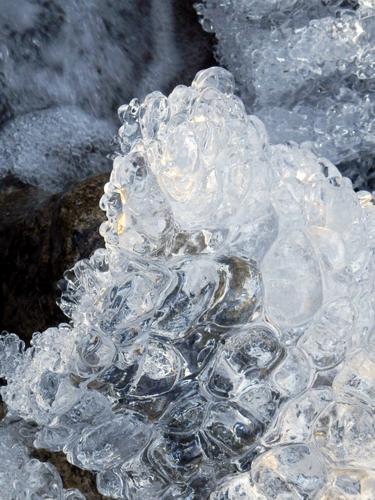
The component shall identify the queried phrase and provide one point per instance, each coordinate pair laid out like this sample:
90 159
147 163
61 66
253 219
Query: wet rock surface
42 235
72 476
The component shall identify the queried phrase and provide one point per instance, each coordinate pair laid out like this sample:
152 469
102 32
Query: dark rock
42 235
2 410
72 477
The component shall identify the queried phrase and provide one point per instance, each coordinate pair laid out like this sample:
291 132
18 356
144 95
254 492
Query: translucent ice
306 68
22 476
221 345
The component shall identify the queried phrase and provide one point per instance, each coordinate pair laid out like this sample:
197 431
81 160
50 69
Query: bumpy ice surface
52 148
306 68
22 476
221 345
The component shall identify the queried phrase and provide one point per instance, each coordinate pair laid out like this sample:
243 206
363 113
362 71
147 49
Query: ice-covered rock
54 147
221 344
22 476
306 68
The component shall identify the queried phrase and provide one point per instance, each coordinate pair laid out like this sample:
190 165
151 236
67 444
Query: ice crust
22 476
306 68
53 148
221 345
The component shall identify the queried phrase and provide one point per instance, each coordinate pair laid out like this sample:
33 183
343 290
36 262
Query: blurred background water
67 65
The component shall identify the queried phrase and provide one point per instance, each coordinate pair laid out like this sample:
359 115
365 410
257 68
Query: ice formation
221 346
22 476
55 147
306 68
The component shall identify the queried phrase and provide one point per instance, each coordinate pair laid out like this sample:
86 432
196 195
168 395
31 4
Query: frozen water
221 345
54 147
306 68
22 476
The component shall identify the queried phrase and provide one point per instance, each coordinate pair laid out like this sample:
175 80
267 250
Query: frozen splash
222 343
54 148
22 476
306 68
